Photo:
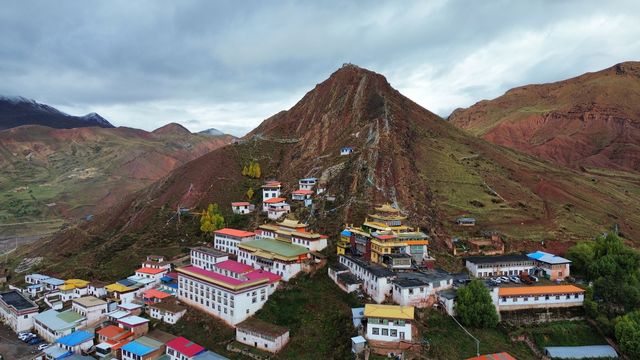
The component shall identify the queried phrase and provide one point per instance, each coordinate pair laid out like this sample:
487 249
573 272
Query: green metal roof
70 316
277 247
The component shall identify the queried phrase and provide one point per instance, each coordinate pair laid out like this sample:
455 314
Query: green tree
250 193
581 256
628 334
475 307
211 220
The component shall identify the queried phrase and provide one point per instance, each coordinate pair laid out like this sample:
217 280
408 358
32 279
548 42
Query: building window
385 332
375 331
394 333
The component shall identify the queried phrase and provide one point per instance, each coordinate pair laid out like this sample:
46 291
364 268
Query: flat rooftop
17 300
498 259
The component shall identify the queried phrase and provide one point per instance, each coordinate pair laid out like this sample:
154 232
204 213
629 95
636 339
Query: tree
475 307
250 193
257 171
628 334
211 220
252 170
245 171
581 256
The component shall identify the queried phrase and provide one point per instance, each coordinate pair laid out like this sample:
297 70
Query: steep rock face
591 121
19 111
402 153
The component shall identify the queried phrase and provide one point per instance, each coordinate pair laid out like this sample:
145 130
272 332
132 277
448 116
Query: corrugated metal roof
581 352
539 290
75 338
548 258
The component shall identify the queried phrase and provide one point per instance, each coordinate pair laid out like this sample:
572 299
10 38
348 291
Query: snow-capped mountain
17 111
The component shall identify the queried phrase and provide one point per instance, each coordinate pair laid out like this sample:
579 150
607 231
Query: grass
564 333
448 341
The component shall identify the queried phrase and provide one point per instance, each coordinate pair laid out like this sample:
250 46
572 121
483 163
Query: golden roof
389 311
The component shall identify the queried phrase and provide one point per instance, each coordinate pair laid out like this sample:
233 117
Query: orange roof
271 184
151 271
110 331
240 203
539 290
155 293
234 232
498 356
274 200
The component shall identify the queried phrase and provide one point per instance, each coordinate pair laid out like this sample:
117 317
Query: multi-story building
206 258
227 239
307 183
503 265
390 323
276 208
551 266
262 335
384 238
279 257
73 289
419 289
17 311
294 232
90 307
271 189
231 291
376 280
169 311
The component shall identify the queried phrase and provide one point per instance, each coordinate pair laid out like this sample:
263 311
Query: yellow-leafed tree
250 193
257 172
211 220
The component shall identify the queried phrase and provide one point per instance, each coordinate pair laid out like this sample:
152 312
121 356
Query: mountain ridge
17 111
589 121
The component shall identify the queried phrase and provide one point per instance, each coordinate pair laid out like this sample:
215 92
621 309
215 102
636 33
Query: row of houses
537 263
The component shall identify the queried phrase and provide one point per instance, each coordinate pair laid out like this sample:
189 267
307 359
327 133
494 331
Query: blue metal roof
345 233
75 338
126 282
581 352
548 258
138 348
166 279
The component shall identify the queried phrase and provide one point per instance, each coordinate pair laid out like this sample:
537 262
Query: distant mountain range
19 111
590 122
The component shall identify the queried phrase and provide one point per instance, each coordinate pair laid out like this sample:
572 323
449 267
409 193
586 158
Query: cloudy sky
232 64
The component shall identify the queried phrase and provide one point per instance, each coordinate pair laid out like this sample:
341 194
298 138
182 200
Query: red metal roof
231 282
497 356
150 271
234 232
234 266
242 203
302 192
269 184
155 293
185 347
110 331
274 200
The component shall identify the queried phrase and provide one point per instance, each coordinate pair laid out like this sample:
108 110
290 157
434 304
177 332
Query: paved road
12 348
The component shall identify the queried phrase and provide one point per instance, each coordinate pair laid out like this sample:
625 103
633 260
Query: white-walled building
231 291
301 195
389 323
376 280
227 239
97 289
278 257
17 311
154 268
277 208
537 297
262 335
35 279
551 266
52 325
419 289
169 311
242 207
307 183
206 258
91 307
271 189
503 265
76 342
347 150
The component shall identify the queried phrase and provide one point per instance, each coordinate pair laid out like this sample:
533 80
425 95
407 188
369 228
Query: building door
401 335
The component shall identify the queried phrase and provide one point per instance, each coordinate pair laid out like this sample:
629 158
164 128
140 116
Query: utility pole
468 333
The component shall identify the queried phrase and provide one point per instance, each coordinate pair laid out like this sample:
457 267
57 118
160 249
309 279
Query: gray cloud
230 64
